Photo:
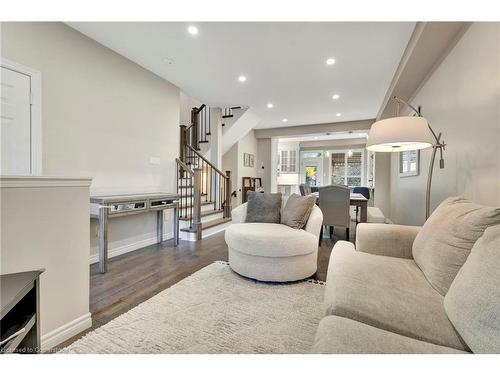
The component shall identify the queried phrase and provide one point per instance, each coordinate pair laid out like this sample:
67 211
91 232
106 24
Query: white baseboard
66 331
119 250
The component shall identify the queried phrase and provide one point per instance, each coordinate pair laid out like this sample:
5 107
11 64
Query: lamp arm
398 99
417 111
429 179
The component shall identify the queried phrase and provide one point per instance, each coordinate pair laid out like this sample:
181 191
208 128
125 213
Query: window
288 161
292 161
347 168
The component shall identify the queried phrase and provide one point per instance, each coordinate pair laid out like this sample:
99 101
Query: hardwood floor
137 276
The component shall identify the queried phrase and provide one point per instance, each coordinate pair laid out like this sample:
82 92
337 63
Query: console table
20 312
109 206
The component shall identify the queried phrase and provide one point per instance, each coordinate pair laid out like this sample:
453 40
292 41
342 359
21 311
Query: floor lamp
406 133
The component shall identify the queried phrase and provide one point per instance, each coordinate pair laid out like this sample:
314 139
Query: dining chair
305 189
364 191
334 201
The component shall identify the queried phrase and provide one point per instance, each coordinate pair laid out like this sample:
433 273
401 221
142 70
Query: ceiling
284 63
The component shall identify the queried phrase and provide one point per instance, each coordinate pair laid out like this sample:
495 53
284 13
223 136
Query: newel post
194 129
183 141
227 207
197 202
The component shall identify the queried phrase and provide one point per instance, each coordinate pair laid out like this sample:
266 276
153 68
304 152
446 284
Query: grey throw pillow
263 207
473 301
297 210
444 242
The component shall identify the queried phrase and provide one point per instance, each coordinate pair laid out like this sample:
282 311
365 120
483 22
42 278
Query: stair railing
215 185
198 180
185 190
200 127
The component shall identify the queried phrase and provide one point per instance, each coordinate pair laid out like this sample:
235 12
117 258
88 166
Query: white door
15 123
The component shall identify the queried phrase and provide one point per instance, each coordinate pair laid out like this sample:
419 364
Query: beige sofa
384 296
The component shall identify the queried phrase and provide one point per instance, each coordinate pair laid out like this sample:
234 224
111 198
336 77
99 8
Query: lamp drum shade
398 134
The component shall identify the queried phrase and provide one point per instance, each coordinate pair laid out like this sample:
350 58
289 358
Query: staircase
204 190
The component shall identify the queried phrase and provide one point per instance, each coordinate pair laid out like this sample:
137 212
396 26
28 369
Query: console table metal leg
176 225
103 239
159 226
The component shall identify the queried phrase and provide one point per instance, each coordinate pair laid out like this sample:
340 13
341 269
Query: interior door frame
320 165
36 112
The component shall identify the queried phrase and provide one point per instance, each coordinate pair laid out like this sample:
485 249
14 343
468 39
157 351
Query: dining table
356 200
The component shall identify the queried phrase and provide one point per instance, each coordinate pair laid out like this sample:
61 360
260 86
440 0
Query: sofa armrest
315 221
386 239
239 214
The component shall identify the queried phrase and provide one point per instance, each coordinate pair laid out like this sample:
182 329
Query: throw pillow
263 207
297 210
473 301
444 242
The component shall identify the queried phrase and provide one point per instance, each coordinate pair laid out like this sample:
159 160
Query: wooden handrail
198 110
208 162
184 166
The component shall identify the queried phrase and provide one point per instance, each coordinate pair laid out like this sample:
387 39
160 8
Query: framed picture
245 159
409 163
250 160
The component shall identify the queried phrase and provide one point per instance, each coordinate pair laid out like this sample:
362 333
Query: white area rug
215 311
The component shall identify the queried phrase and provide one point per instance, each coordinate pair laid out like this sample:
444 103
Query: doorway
20 120
311 163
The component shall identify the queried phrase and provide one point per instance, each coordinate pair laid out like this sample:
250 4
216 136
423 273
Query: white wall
233 161
230 163
103 116
462 100
186 103
247 144
44 224
382 198
264 165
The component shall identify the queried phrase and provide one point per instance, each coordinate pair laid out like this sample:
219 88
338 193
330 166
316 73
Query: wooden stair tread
203 214
208 224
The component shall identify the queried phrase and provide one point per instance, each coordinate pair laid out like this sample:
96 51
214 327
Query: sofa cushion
270 240
338 335
387 293
445 241
297 210
263 207
473 301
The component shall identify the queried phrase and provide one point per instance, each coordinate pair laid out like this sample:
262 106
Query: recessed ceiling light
270 105
330 61
242 78
168 61
338 114
193 30
315 137
285 120
335 97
